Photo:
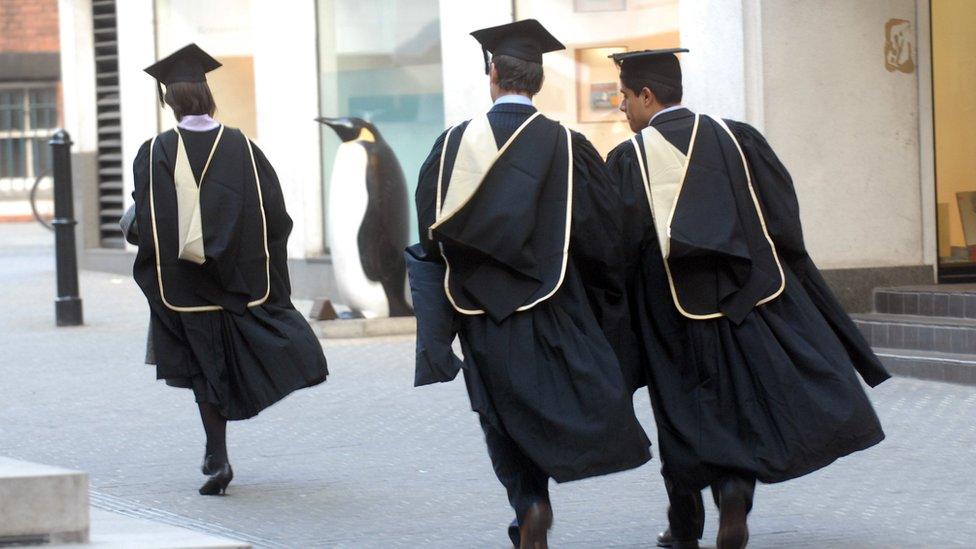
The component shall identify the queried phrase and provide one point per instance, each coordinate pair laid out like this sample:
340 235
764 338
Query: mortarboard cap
657 65
526 40
187 64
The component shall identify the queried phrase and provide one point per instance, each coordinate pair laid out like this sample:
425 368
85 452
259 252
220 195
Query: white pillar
465 82
287 97
137 90
713 72
78 73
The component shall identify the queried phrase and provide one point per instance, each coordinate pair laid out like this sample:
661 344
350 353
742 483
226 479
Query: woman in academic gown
212 262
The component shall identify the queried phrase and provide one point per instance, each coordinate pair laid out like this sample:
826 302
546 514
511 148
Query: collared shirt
514 98
664 110
197 123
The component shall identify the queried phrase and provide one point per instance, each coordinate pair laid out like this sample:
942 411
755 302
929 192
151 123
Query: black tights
215 425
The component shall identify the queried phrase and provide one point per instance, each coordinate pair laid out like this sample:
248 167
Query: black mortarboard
526 40
187 64
657 65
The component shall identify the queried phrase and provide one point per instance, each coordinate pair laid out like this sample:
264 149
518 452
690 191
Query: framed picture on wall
585 6
597 90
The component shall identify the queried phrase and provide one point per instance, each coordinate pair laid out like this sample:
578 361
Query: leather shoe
666 539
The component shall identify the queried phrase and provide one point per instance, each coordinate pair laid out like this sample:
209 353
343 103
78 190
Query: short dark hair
187 98
666 95
518 75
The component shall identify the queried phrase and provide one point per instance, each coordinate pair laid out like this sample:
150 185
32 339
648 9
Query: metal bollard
67 306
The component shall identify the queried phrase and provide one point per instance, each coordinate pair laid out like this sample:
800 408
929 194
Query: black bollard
67 306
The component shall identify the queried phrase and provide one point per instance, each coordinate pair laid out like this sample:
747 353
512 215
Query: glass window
581 88
43 108
28 117
11 110
380 60
953 79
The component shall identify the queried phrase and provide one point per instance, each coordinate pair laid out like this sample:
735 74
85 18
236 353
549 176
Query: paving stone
366 460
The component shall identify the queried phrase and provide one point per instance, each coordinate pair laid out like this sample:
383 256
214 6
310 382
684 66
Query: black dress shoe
534 527
733 532
208 467
666 539
513 533
220 477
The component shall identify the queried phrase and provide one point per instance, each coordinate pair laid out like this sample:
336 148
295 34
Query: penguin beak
342 126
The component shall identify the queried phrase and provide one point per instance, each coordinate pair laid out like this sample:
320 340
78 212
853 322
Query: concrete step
919 333
42 504
944 300
364 327
929 365
115 531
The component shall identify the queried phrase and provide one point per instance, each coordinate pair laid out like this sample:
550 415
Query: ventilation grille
110 197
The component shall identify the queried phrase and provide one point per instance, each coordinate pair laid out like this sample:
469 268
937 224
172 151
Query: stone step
929 365
116 531
42 504
364 327
919 333
945 300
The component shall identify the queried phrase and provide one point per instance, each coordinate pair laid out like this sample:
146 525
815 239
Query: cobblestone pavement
365 460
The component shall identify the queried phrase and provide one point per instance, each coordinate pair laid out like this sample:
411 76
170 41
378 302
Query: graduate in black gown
752 362
212 229
518 216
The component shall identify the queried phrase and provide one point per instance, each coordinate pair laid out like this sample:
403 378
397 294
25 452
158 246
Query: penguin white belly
348 199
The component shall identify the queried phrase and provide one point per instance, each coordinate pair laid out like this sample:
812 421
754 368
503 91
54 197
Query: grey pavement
365 460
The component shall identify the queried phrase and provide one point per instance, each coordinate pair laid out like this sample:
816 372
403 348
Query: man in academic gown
519 218
751 360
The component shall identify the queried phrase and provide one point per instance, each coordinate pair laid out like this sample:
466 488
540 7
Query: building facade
29 95
866 103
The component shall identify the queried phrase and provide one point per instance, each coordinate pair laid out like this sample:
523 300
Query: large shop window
28 118
581 88
954 77
223 28
380 60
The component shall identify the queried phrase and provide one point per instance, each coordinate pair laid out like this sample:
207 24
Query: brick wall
28 26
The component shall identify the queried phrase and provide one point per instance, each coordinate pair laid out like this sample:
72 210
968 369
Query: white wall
78 73
136 88
846 128
286 78
465 82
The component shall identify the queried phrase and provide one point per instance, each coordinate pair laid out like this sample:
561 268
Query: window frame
28 133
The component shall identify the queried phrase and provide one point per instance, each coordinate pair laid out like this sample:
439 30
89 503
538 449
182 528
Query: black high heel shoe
220 477
207 467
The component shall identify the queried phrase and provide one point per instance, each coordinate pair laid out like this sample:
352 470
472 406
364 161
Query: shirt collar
664 110
514 98
197 123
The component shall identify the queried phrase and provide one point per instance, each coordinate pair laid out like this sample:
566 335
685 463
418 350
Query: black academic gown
772 395
548 376
240 358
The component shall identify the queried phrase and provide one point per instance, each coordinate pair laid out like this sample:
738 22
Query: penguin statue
367 225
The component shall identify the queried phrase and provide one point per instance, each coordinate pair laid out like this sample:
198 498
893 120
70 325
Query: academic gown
242 357
771 396
548 375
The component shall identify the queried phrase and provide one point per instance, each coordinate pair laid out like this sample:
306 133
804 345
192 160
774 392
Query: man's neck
663 110
515 98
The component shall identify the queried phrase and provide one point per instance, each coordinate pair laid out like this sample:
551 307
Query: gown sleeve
128 223
597 250
426 197
279 223
777 197
637 225
437 322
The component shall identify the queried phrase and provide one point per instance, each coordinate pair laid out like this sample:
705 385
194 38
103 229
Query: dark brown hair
187 98
517 75
635 82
